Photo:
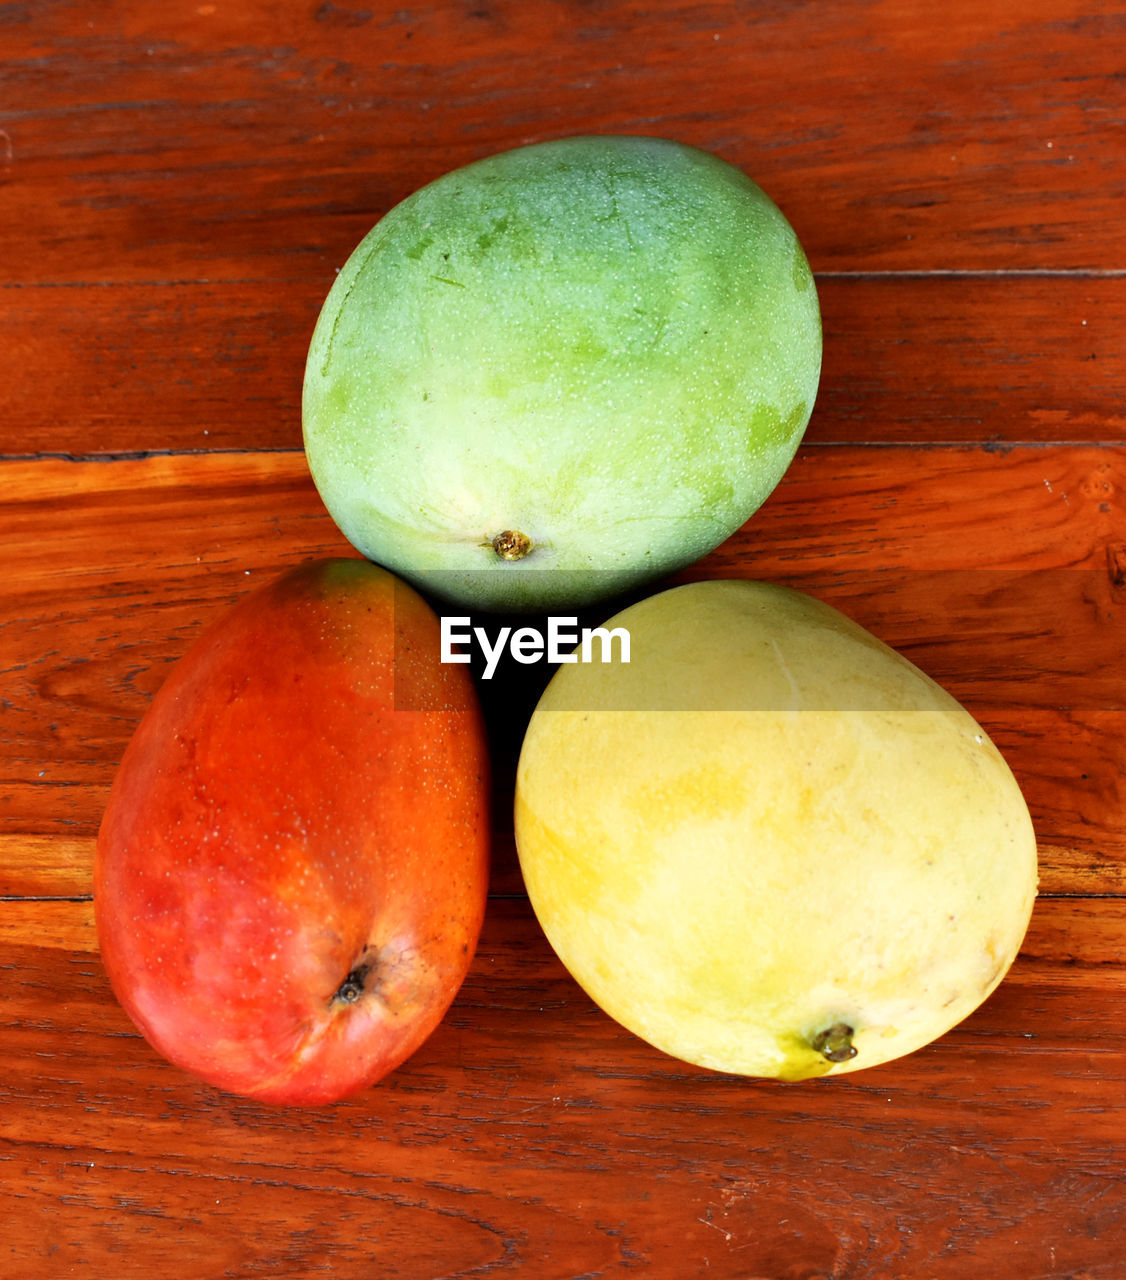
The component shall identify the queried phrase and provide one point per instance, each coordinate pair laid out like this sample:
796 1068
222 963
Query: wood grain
1021 618
181 141
179 182
908 359
531 1126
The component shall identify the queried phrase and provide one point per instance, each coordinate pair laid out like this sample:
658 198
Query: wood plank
152 367
255 141
531 1130
908 359
46 868
38 867
1000 574
970 359
1068 929
178 183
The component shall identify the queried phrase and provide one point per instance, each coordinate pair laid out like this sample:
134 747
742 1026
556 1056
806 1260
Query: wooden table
178 183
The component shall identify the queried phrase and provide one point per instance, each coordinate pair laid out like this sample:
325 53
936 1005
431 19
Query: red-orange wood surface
908 358
179 182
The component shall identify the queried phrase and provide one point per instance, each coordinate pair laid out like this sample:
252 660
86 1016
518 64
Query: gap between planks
986 446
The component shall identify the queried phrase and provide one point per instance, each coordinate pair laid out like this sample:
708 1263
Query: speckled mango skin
609 344
766 825
305 802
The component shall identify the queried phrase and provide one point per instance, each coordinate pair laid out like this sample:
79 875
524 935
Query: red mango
291 873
